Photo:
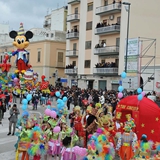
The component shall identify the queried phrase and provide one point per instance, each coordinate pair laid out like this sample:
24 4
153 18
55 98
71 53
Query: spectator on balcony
114 1
71 30
75 30
97 46
98 25
68 31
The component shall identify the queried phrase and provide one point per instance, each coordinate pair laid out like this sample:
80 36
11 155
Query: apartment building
56 19
93 37
97 30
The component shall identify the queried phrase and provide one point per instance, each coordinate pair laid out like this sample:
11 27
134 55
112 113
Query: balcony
72 71
71 53
109 9
113 29
72 35
107 51
73 1
73 18
46 24
105 71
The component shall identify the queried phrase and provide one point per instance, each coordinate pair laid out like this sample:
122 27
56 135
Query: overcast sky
30 12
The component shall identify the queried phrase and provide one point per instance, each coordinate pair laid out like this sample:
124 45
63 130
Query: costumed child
144 148
67 151
126 143
24 127
37 147
77 122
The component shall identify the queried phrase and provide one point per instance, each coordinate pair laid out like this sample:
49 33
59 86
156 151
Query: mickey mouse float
21 41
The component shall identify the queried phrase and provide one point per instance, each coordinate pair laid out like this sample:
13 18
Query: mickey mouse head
21 39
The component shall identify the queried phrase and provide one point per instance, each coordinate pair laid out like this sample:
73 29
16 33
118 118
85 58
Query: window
47 35
76 10
103 61
52 35
105 2
39 56
87 63
88 45
117 41
119 20
89 26
74 46
60 56
89 6
74 63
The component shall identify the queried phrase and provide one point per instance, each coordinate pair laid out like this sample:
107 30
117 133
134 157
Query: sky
30 12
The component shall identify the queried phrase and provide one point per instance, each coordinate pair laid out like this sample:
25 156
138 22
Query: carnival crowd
94 130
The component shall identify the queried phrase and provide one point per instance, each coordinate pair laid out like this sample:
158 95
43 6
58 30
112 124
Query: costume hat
21 30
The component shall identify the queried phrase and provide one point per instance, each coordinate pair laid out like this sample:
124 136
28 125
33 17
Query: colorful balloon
139 90
123 75
120 88
58 94
120 95
140 97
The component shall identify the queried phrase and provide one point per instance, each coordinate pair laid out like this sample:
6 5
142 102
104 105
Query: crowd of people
105 65
51 134
70 66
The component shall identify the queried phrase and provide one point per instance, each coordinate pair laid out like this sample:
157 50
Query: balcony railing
60 64
109 9
71 53
73 18
73 1
108 50
107 30
105 71
71 71
72 35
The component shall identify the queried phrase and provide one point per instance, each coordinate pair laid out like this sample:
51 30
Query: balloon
120 88
59 101
143 93
53 114
13 76
139 90
76 149
123 75
60 107
47 112
56 129
0 85
120 95
62 104
24 101
64 99
24 107
15 79
54 109
29 97
58 94
140 97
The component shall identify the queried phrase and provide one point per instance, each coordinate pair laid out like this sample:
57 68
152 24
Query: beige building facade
93 22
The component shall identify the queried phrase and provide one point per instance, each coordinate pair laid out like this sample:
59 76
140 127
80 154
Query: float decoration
21 41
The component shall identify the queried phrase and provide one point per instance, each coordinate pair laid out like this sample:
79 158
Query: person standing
14 96
14 112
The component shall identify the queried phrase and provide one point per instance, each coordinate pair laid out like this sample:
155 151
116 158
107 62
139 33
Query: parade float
24 78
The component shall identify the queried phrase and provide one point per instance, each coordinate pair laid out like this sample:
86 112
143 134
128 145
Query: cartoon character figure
44 84
21 41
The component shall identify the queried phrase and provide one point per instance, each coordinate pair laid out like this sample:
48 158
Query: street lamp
128 10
